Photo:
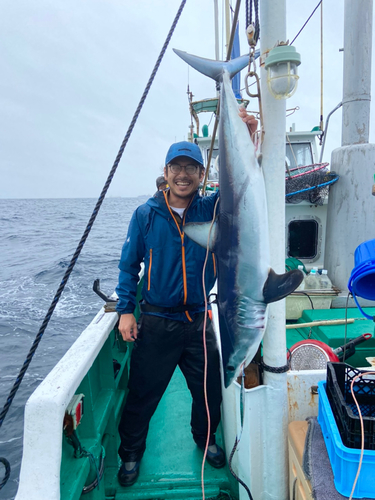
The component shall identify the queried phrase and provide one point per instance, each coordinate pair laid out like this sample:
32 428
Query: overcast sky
73 71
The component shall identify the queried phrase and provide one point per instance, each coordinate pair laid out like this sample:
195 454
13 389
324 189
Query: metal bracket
110 304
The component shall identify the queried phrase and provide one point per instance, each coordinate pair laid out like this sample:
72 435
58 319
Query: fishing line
85 234
362 429
205 349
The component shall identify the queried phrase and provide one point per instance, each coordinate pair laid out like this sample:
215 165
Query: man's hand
250 120
128 327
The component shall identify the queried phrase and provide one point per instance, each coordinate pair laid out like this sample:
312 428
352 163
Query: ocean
37 241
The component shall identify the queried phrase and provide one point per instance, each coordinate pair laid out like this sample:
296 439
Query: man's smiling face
184 183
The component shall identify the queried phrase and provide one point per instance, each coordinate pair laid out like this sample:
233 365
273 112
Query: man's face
182 184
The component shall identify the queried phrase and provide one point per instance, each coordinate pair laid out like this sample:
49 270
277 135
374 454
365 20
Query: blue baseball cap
184 148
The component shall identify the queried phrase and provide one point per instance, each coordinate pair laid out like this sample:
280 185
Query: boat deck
334 335
171 466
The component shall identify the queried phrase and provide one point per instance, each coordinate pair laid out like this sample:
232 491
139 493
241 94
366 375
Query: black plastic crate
339 379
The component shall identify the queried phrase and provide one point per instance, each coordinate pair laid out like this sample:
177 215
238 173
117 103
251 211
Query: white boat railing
45 410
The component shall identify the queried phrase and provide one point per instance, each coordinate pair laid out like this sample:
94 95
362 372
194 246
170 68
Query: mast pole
227 23
275 482
216 17
350 218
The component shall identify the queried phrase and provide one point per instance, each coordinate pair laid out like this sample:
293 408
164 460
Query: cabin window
299 154
303 239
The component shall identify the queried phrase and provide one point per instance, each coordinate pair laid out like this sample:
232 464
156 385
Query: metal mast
351 209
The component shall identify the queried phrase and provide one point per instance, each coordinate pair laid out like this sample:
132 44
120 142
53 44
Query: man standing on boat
170 330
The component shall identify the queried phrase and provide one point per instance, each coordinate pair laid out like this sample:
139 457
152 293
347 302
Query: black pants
163 344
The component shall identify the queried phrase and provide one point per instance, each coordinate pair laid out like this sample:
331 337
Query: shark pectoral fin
278 286
200 231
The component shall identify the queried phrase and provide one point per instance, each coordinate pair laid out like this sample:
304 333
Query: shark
239 235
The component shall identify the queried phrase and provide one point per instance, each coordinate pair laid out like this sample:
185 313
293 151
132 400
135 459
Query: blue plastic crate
344 461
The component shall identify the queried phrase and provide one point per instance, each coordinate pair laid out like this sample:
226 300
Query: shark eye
230 368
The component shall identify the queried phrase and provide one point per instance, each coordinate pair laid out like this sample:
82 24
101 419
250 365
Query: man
161 183
170 332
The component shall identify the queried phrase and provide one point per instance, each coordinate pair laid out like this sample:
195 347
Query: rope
249 17
275 369
321 71
238 438
312 13
88 228
5 462
205 350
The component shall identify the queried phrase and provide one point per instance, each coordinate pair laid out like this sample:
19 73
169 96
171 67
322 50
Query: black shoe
128 477
216 459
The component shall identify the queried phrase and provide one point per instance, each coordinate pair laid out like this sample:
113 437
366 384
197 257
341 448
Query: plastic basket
339 378
344 460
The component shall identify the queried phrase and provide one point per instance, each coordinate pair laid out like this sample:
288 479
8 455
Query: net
309 183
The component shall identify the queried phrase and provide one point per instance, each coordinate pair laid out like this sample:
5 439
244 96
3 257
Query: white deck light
282 75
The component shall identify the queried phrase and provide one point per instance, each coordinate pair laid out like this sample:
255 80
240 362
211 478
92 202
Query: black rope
234 474
308 296
237 440
6 464
87 230
275 369
249 17
312 13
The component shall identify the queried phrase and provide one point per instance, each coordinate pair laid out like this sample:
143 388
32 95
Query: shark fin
278 286
212 68
200 231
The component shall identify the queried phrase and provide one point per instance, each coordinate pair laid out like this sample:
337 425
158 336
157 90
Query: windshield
298 154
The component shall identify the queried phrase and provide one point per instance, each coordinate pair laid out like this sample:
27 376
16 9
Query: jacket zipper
149 271
214 261
182 236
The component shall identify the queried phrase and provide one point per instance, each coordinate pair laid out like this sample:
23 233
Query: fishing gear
238 437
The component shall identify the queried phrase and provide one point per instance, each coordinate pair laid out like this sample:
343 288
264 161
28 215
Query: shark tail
212 68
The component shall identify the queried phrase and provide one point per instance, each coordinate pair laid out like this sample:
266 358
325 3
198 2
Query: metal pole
216 16
227 23
273 30
357 72
350 217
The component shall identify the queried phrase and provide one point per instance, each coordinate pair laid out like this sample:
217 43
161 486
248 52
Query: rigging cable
312 13
216 124
83 240
321 72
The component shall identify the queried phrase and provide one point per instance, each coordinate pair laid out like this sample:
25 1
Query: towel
316 464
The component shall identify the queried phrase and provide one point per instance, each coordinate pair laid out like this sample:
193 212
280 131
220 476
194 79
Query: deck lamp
282 75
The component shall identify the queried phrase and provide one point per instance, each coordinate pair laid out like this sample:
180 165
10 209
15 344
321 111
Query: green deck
334 335
171 466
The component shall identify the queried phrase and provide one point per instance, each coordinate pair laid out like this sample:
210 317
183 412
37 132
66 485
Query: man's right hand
128 327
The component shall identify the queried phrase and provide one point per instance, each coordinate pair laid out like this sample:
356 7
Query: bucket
362 279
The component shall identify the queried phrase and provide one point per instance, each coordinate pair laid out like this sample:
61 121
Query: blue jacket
173 262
